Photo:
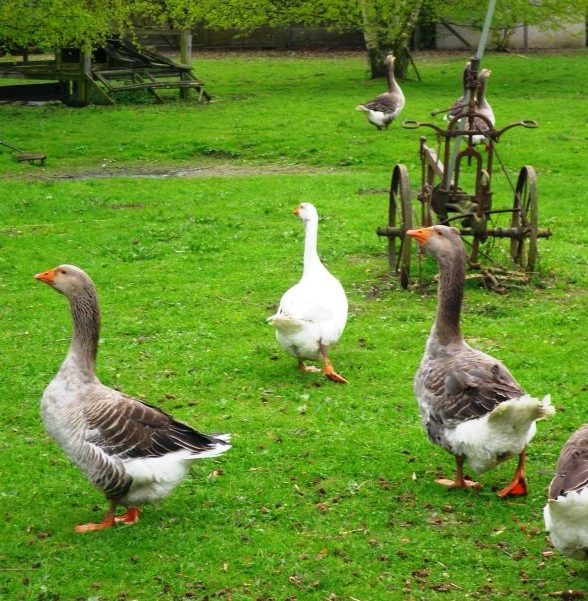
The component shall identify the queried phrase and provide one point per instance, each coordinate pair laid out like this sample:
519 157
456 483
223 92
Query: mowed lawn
328 492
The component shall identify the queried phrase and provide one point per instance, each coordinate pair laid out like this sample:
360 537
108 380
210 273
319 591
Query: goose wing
571 471
468 385
312 302
126 428
385 103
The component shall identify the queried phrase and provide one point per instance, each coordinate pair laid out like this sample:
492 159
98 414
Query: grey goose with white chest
384 108
133 452
470 403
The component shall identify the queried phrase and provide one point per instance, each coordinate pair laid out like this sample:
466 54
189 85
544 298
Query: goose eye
438 232
62 271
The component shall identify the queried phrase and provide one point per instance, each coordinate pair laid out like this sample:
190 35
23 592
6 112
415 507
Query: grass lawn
328 492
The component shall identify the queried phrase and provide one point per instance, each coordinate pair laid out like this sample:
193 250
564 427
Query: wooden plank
157 85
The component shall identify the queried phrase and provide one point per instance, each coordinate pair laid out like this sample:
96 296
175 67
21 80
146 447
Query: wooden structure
119 66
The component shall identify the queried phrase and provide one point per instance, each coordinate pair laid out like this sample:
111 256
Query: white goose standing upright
566 512
384 108
313 313
470 404
133 452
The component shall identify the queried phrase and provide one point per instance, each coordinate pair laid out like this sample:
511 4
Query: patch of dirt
159 172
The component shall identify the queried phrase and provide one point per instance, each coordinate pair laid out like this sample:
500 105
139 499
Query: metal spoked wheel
400 216
523 248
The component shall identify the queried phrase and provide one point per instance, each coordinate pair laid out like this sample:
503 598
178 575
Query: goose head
306 212
67 279
440 241
483 80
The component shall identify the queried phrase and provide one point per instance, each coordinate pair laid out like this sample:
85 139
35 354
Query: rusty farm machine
443 200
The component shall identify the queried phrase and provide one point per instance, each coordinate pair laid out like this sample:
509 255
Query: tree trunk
401 45
371 38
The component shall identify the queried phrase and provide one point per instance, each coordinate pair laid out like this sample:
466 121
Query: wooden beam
185 57
457 35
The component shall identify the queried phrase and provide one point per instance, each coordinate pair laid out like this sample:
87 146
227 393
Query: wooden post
185 57
84 86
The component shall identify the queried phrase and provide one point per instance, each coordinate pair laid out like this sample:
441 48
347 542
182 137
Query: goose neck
450 298
311 257
392 84
86 332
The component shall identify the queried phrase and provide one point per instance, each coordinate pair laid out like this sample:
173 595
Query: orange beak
47 276
296 211
421 235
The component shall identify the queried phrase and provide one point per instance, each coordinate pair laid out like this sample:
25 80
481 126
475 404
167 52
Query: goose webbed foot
459 481
518 485
329 370
334 376
131 516
463 483
107 522
307 369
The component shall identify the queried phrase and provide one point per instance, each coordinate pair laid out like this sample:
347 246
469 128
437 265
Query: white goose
566 512
313 313
470 404
384 108
133 452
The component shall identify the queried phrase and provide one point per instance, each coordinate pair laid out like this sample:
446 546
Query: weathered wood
31 157
185 58
84 89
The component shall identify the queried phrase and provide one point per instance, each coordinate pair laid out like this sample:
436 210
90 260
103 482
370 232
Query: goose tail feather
523 410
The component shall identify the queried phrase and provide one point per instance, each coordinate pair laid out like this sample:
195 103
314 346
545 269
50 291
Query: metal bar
478 58
496 232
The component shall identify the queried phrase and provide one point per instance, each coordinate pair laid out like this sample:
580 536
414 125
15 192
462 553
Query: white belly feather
566 520
506 431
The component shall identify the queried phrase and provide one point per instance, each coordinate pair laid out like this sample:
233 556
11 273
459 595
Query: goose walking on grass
470 403
131 451
566 512
313 313
384 108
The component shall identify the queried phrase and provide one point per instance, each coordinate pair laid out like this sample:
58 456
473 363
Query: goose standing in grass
383 109
566 512
470 404
133 452
313 313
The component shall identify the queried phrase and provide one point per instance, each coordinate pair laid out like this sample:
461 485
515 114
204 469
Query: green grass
328 492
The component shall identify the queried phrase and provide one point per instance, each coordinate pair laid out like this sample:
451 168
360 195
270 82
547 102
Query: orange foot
131 516
108 522
330 372
463 483
517 488
335 377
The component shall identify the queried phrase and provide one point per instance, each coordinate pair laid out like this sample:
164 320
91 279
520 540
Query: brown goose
383 109
482 105
470 404
133 452
566 512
